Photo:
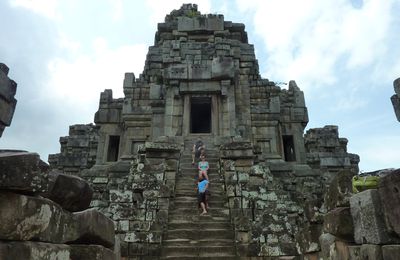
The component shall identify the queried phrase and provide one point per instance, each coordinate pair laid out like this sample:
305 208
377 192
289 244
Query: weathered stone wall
135 194
8 88
78 150
41 213
275 206
326 151
396 98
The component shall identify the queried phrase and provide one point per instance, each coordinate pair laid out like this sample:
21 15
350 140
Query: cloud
47 8
308 40
78 80
117 9
380 153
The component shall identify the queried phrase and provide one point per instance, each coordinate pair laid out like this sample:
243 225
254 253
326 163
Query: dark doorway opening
288 148
200 115
113 148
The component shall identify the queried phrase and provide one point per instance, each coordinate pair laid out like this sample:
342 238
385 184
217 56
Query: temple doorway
200 115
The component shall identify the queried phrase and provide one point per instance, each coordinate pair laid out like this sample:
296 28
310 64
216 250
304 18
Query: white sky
344 54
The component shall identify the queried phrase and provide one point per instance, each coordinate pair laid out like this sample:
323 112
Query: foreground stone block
28 250
33 218
307 238
339 223
339 251
70 192
389 191
92 252
368 251
334 249
339 191
368 219
95 227
354 252
21 171
391 252
325 241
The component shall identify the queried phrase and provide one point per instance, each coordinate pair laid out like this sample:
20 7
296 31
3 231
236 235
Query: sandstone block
389 187
339 191
354 252
339 223
95 228
28 250
91 252
70 192
325 241
391 252
34 218
21 171
368 219
339 250
369 251
307 240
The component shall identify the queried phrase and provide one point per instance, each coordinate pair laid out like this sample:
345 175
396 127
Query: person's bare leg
203 207
193 155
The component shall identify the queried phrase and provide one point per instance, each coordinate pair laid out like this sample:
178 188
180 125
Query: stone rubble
44 214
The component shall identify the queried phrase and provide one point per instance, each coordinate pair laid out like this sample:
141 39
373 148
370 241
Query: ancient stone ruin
8 88
276 193
396 98
44 213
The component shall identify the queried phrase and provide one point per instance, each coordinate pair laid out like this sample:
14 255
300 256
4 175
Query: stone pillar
186 116
231 111
214 115
169 107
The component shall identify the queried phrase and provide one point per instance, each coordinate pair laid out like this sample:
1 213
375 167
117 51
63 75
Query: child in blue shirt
202 186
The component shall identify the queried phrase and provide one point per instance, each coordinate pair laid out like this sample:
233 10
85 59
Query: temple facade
267 178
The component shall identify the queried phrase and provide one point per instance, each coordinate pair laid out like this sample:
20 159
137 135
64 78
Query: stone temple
276 192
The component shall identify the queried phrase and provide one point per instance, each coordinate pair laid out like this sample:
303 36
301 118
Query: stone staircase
191 236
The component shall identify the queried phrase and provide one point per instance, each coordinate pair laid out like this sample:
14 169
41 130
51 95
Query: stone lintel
200 87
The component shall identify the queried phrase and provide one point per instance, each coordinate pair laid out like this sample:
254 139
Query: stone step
199 225
199 251
188 204
187 215
200 234
173 218
195 210
191 183
203 257
192 191
202 242
193 199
